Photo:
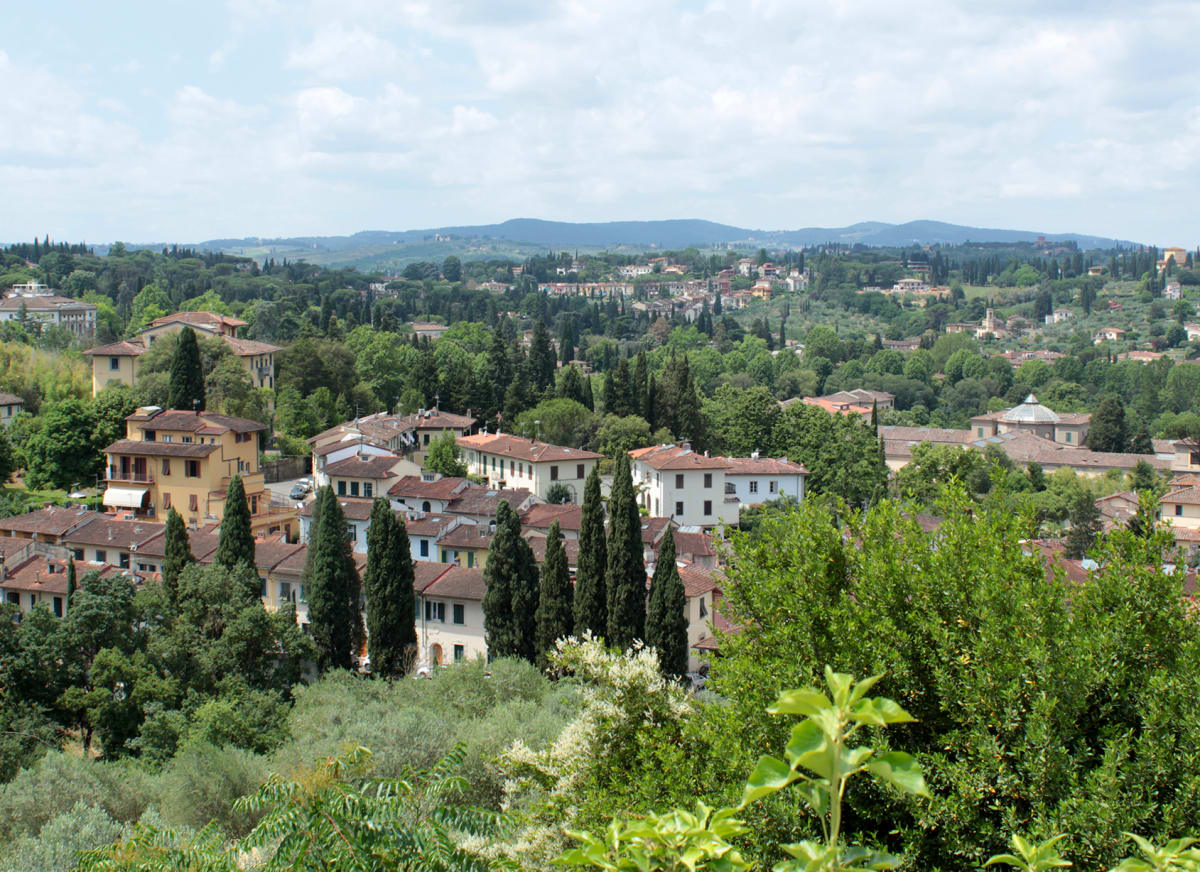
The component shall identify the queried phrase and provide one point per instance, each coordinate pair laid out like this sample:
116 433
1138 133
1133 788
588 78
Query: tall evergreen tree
1141 442
511 596
541 358
591 599
625 579
235 543
618 390
1107 431
332 586
1085 526
570 385
72 584
186 385
666 617
388 589
555 612
689 421
177 554
640 388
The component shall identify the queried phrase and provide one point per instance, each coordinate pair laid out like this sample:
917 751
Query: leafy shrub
202 782
54 849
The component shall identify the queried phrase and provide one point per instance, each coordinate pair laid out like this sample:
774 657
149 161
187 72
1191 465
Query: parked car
299 491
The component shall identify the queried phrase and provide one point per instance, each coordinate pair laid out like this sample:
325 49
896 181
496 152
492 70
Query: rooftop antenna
437 403
196 405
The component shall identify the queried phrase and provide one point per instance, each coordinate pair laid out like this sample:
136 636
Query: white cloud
337 52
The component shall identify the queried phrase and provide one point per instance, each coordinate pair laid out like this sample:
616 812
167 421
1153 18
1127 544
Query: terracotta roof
7 399
697 580
426 572
438 420
377 466
123 348
538 545
415 487
162 449
351 440
676 457
652 529
181 419
763 466
507 445
249 348
45 575
50 521
694 544
475 536
269 554
11 545
354 508
542 515
199 319
859 396
484 501
44 302
834 407
458 583
106 530
1188 496
430 525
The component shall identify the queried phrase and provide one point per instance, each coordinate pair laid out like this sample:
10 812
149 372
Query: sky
173 121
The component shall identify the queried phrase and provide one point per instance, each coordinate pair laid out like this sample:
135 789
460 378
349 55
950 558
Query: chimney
753 454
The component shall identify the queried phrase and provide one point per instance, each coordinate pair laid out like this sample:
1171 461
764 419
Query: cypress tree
187 374
555 608
625 579
71 583
388 587
177 554
591 601
666 618
332 586
235 543
511 598
1141 442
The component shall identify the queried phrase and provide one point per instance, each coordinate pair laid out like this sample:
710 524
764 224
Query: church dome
1029 412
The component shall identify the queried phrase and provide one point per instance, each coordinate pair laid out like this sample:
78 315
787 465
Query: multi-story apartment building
685 485
37 304
513 462
757 479
185 460
118 361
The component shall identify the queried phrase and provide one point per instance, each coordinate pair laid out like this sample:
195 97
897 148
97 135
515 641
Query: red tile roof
375 466
415 487
763 466
697 580
162 449
249 347
676 457
122 348
458 583
50 521
542 515
507 445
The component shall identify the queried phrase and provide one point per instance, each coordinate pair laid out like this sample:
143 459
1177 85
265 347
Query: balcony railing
117 474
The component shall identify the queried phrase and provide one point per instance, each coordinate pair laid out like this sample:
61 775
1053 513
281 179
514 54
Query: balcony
117 474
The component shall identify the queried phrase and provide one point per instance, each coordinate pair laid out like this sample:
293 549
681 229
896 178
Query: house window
435 611
679 480
979 431
554 473
368 490
187 439
579 471
708 479
166 466
1070 437
707 508
753 486
425 506
460 613
512 467
77 553
679 508
123 560
1179 510
1194 459
193 503
703 608
341 488
445 556
254 505
424 547
459 652
166 500
353 488
191 468
773 487
114 363
426 439
101 556
470 560
730 488
58 607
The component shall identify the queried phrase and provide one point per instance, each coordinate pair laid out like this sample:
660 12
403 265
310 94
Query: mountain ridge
678 233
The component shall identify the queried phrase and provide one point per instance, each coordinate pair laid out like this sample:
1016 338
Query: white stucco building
689 487
513 462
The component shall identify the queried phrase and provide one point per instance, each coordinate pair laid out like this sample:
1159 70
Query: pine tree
541 358
510 599
666 617
186 386
591 600
640 387
1107 432
689 421
618 390
177 554
235 544
555 608
625 578
388 589
332 586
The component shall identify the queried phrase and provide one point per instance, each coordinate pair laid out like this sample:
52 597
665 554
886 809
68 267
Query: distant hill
520 236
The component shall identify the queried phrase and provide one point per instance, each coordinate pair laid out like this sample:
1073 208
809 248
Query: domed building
1032 417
